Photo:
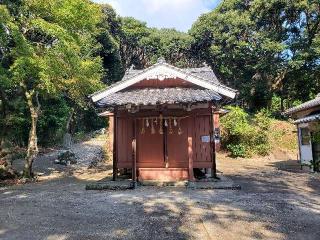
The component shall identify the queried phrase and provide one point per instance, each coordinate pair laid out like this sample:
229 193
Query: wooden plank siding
124 142
150 147
202 154
167 83
178 146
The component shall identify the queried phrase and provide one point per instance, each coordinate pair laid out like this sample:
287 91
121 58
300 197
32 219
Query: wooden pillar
214 165
165 145
111 131
191 134
114 150
213 144
216 125
190 155
134 155
134 162
299 145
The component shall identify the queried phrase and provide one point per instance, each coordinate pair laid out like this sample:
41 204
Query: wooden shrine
164 121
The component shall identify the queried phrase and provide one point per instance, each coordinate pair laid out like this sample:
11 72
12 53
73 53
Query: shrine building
164 122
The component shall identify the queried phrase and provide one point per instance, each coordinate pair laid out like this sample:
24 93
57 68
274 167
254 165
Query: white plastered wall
305 150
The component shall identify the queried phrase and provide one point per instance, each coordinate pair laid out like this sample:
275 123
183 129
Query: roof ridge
308 104
203 81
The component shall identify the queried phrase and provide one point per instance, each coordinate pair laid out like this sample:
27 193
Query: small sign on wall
205 139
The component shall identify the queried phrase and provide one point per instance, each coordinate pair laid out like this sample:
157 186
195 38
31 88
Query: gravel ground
277 201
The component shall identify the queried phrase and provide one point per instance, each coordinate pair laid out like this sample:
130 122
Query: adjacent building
307 119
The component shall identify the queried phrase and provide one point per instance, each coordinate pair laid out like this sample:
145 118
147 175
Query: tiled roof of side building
311 118
304 106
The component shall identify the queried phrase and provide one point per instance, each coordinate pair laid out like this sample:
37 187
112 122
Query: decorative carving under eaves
161 76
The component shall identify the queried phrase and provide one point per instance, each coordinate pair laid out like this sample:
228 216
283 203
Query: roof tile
153 96
310 104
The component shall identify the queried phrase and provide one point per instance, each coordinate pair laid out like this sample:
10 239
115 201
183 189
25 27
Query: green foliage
279 104
262 48
48 50
109 38
60 51
316 136
315 164
52 121
142 46
262 122
15 124
237 150
283 136
245 135
174 46
80 136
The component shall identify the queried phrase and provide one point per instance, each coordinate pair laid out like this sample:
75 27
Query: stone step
110 185
163 183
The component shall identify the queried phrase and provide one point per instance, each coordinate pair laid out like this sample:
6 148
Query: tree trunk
282 103
32 150
67 138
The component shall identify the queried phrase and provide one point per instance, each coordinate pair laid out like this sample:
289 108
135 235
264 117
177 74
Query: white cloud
179 14
114 3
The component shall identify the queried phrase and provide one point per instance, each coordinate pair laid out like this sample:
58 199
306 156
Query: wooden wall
167 83
124 142
178 146
150 147
201 150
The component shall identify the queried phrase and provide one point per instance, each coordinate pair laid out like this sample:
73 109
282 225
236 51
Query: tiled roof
204 73
310 104
311 118
152 96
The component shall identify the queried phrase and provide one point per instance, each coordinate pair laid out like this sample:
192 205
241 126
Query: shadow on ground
274 203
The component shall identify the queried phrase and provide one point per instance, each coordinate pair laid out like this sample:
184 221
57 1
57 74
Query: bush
263 149
80 136
237 150
245 135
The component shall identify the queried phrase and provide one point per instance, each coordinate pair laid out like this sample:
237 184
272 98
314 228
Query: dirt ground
277 201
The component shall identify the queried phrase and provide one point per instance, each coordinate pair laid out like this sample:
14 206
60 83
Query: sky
178 14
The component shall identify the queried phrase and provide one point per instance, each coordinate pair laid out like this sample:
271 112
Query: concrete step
111 185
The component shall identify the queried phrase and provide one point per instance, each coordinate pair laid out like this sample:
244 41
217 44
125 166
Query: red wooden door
150 148
177 145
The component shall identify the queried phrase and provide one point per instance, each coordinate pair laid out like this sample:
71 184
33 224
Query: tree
257 46
109 38
141 46
132 31
53 53
171 44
